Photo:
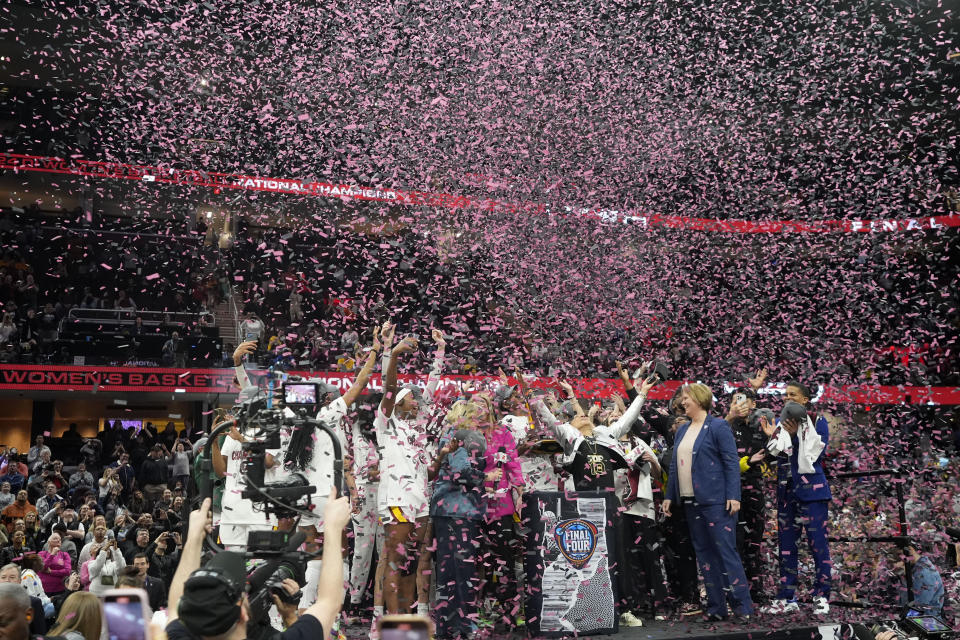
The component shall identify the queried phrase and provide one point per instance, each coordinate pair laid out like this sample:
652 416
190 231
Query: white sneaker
781 606
821 606
627 619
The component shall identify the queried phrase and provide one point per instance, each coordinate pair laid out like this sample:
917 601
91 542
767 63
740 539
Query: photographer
744 418
211 603
928 588
104 566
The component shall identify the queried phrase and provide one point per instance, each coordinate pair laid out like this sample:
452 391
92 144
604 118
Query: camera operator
300 452
211 602
237 516
928 588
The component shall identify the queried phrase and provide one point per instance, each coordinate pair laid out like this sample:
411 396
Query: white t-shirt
237 516
403 465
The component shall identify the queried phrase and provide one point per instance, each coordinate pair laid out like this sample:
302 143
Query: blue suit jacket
716 466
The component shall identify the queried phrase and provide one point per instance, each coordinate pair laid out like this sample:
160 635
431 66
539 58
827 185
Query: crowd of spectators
111 518
49 267
314 292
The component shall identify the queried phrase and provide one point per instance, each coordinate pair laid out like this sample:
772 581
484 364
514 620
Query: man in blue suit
803 496
705 482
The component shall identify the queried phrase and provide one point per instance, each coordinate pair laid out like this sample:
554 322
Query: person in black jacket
154 474
751 449
154 587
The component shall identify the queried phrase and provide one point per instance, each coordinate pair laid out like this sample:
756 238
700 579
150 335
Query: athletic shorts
402 514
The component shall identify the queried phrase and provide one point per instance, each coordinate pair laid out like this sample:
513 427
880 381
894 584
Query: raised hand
647 385
768 428
437 336
200 522
337 513
245 349
386 334
624 375
758 380
376 339
405 346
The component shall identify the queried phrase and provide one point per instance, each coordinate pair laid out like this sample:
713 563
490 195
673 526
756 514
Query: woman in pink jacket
56 566
501 521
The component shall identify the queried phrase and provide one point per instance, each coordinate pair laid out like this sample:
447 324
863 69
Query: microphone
501 457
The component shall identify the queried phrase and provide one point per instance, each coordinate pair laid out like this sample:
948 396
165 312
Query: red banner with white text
222 381
219 181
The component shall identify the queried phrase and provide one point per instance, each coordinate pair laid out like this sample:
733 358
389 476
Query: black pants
750 527
457 585
642 585
499 566
681 559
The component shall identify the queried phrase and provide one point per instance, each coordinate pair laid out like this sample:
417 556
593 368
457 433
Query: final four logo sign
577 540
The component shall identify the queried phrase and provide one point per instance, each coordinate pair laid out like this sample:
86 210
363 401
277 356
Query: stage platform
767 627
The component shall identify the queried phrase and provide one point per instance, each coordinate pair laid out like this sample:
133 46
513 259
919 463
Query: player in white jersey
402 500
368 531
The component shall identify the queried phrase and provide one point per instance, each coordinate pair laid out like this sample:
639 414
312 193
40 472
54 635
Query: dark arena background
750 193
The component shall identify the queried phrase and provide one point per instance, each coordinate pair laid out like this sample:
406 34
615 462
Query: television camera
261 415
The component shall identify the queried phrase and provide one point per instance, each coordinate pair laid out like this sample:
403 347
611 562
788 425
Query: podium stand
570 563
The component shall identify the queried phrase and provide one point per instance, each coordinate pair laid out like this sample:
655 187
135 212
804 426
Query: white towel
810 446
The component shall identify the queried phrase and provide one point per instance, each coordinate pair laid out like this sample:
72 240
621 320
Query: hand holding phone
403 627
126 614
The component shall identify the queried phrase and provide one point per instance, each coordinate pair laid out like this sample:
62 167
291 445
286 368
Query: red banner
217 181
142 379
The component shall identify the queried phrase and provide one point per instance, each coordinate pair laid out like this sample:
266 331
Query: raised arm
197 528
330 591
434 379
390 387
624 422
245 349
364 376
564 431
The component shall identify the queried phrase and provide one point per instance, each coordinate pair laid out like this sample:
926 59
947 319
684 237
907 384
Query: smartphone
403 627
739 397
126 614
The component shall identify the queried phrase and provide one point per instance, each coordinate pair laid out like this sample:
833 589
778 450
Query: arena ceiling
737 109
